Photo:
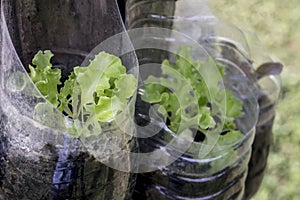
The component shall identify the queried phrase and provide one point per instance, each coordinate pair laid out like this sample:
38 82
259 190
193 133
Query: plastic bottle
41 160
191 177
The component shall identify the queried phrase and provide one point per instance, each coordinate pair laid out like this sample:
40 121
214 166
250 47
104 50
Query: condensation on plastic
39 159
191 177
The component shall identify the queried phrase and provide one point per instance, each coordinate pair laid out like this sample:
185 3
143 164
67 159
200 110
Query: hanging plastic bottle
41 158
191 176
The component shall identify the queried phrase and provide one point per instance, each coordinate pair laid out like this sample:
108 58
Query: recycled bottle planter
229 46
218 175
39 157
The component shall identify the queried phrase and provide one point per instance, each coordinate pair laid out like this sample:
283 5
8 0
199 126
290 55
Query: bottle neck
193 18
193 10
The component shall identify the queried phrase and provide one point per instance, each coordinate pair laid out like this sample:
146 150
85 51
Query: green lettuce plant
95 94
91 95
169 106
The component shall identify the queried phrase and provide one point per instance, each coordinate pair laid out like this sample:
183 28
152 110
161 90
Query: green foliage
186 72
233 110
45 78
91 95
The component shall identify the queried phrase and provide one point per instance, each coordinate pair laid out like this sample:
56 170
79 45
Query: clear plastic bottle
191 177
40 160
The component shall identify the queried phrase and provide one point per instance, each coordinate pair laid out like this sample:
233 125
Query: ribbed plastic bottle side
260 147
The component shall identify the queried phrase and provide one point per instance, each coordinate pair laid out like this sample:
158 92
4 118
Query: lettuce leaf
45 78
105 88
91 95
169 106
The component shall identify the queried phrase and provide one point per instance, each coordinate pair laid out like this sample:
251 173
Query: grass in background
277 24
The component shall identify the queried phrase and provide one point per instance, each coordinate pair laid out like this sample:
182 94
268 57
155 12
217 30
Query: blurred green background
277 24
